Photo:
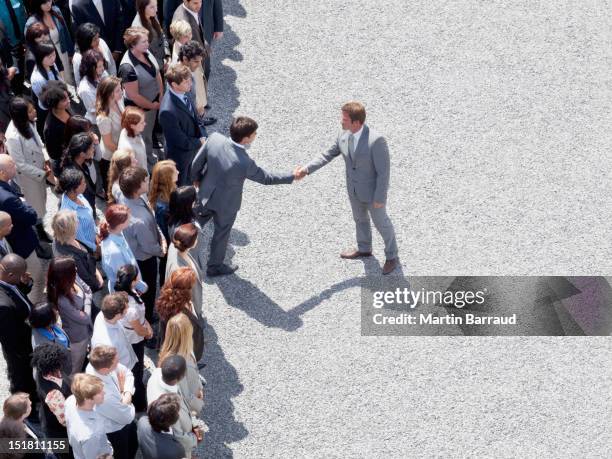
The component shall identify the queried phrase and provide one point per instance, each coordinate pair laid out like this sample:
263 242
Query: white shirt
136 144
195 15
239 145
136 311
100 8
86 431
114 335
87 94
357 136
116 414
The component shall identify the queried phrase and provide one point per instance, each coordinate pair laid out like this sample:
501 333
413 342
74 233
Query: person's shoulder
373 134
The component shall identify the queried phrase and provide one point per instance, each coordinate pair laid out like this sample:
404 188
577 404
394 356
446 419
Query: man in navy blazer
23 238
178 119
111 25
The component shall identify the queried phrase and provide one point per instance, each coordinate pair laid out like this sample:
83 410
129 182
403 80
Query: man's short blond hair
86 387
102 357
64 226
355 110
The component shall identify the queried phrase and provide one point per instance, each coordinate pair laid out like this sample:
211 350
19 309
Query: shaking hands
300 172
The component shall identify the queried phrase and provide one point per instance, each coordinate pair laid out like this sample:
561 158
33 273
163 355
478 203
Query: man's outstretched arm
320 161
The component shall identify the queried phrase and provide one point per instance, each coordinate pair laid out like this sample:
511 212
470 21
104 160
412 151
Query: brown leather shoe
352 254
389 266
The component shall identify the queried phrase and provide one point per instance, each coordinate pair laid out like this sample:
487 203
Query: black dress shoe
208 120
222 270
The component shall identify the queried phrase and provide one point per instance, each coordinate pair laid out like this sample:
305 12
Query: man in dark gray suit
366 156
219 170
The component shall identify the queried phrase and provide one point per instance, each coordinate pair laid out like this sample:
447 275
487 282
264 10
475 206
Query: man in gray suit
219 170
366 156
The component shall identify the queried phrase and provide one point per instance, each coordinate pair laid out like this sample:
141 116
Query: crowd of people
103 103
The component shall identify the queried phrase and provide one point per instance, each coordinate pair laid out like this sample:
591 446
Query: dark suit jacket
221 168
23 237
15 332
181 131
111 30
157 445
211 18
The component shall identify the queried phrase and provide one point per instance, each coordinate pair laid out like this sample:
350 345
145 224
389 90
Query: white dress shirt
87 93
357 136
114 335
116 414
86 431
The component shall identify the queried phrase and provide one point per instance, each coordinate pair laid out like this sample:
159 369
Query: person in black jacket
111 25
154 430
53 388
15 332
178 119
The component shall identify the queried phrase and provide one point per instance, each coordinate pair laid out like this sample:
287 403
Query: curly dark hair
48 358
175 294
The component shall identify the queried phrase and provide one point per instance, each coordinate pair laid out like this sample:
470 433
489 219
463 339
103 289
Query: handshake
300 172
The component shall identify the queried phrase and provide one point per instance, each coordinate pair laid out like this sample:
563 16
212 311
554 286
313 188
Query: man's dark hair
173 368
164 412
130 180
48 358
191 50
53 93
242 127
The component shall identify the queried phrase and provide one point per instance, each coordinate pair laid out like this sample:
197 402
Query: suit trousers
183 165
148 271
223 227
19 371
124 441
362 211
140 392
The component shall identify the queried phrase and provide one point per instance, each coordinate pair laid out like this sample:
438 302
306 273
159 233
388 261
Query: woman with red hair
174 298
116 251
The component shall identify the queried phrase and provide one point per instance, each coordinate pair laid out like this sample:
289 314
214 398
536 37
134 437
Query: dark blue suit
182 132
23 237
111 30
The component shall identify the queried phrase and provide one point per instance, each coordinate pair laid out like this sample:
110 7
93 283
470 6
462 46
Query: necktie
187 101
351 146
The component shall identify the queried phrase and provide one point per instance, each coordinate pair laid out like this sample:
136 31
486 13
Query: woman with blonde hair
109 107
175 298
181 33
163 182
179 341
133 123
121 159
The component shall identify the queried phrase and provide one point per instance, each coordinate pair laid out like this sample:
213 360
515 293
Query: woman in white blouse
88 37
109 107
27 150
91 70
133 123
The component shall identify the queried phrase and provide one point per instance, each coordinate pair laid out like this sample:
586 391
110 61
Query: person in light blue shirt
116 251
72 184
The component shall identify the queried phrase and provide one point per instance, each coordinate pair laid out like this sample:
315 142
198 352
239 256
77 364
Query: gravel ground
497 117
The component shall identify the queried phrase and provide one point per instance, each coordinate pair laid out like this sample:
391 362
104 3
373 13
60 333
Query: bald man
6 226
15 332
22 238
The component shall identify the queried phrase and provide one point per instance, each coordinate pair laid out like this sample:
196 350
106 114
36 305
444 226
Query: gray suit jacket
367 174
197 31
221 168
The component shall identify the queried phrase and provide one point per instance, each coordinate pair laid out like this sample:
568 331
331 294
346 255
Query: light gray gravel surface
497 115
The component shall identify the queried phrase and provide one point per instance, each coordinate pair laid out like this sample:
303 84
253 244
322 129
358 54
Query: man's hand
121 380
217 35
11 72
378 205
202 140
126 398
300 172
